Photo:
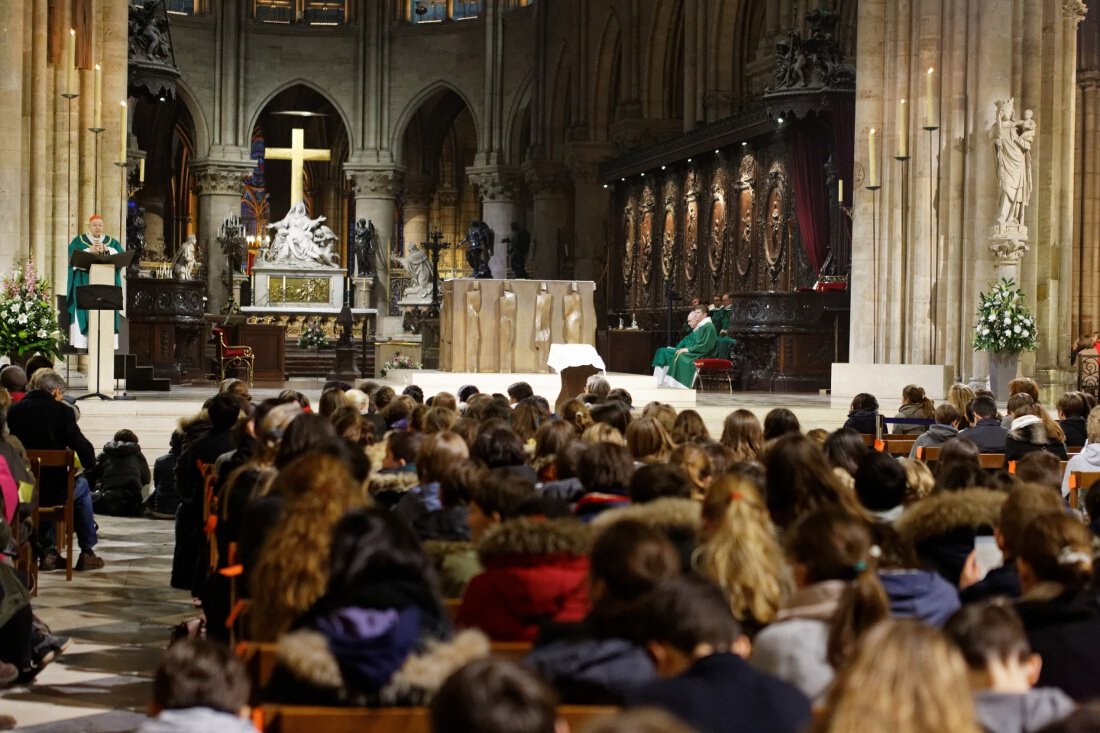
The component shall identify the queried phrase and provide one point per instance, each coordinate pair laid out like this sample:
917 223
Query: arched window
308 12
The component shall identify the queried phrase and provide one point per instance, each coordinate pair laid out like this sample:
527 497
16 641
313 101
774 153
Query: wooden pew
309 719
1079 482
928 453
992 460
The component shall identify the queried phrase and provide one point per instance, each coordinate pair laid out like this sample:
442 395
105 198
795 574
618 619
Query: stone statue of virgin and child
1012 141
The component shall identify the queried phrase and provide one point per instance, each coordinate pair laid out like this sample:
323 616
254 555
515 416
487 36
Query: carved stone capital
544 177
417 190
496 183
447 195
1089 79
211 178
380 183
1008 251
583 160
1074 10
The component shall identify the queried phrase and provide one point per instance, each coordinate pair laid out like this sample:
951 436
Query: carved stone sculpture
628 241
479 237
365 238
300 241
419 266
544 302
1012 140
183 265
507 344
473 328
572 314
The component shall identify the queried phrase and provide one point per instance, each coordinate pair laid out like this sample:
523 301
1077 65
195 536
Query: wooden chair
992 460
928 453
25 564
259 661
310 719
714 368
236 356
1079 481
62 514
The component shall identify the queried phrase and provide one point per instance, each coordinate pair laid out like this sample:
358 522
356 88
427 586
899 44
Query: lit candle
98 99
122 134
840 191
930 118
70 63
872 160
141 170
903 131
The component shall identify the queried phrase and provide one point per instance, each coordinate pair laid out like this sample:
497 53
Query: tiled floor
119 619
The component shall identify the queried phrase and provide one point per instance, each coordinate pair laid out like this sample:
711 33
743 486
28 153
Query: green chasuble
680 359
80 277
721 318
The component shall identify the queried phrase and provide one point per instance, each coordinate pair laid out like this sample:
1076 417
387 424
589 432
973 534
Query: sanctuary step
304 363
139 378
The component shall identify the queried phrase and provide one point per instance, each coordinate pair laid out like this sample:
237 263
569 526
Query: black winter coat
120 473
1065 631
42 423
188 571
1030 438
165 499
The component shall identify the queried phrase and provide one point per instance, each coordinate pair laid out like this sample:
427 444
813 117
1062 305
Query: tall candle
98 99
931 119
840 190
70 63
872 159
903 131
122 134
141 170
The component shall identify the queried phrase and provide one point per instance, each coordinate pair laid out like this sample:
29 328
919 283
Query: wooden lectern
101 298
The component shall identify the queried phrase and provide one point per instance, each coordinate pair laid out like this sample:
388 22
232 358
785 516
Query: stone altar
507 325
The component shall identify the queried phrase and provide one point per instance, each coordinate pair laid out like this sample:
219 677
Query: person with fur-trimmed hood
399 474
380 635
942 527
1034 430
536 571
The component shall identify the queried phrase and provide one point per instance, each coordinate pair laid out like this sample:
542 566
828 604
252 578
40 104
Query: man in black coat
987 433
42 421
188 569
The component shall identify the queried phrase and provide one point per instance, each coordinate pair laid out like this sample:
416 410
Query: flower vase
17 359
1002 370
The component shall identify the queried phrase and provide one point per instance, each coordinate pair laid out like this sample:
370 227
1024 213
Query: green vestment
80 277
698 344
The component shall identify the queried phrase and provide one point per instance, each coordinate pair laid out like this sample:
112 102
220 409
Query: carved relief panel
717 239
746 185
775 220
629 241
668 230
645 233
691 225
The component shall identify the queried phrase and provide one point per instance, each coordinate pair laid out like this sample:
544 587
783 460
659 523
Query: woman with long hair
1034 430
961 397
905 678
839 597
575 413
780 422
689 428
843 450
648 440
915 405
743 434
742 554
551 437
292 565
800 481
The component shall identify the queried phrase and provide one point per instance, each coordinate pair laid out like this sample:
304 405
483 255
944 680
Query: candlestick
97 100
70 64
931 119
872 160
141 170
122 135
902 152
840 191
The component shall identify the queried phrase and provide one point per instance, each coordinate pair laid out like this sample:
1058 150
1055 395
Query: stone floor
119 619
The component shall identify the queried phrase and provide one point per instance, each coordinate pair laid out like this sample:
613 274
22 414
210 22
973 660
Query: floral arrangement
400 361
312 337
28 321
1004 322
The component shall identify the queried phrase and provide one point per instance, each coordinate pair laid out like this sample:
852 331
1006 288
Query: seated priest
674 366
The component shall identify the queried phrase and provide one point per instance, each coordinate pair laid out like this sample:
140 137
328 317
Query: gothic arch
408 113
608 60
258 110
519 115
189 100
722 39
558 120
667 23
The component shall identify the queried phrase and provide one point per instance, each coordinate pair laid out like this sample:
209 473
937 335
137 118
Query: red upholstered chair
239 356
714 368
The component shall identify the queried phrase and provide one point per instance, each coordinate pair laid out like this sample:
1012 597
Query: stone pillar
375 188
218 185
447 198
499 189
590 207
417 199
12 43
1086 281
547 183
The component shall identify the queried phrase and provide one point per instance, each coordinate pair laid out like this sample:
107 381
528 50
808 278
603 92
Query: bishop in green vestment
674 366
95 240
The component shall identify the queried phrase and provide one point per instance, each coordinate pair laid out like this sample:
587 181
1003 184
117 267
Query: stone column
447 198
12 43
499 189
590 207
1087 216
375 188
417 197
547 183
218 185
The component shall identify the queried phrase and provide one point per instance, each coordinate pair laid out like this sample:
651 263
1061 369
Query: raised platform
888 380
642 387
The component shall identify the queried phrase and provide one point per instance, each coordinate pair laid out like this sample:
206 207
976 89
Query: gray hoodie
1006 712
196 720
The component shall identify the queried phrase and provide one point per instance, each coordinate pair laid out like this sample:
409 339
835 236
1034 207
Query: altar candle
70 63
840 191
141 170
930 118
98 99
872 162
122 134
903 131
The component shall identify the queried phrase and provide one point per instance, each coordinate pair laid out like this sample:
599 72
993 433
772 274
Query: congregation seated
1088 460
863 415
1034 430
987 432
1073 411
948 419
915 405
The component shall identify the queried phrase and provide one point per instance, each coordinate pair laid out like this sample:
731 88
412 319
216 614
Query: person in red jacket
536 571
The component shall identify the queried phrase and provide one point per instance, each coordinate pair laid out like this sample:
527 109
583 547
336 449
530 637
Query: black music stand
99 298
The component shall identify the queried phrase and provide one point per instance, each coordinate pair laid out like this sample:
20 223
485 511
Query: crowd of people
789 580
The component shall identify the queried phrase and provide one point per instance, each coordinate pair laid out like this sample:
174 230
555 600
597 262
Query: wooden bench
1079 482
992 460
310 719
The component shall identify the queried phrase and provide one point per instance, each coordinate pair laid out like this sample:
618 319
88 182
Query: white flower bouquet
313 337
1004 322
28 322
400 361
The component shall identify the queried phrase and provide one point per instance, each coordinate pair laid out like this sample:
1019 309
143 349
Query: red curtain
808 156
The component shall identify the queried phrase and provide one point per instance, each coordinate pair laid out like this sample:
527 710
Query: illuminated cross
297 154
